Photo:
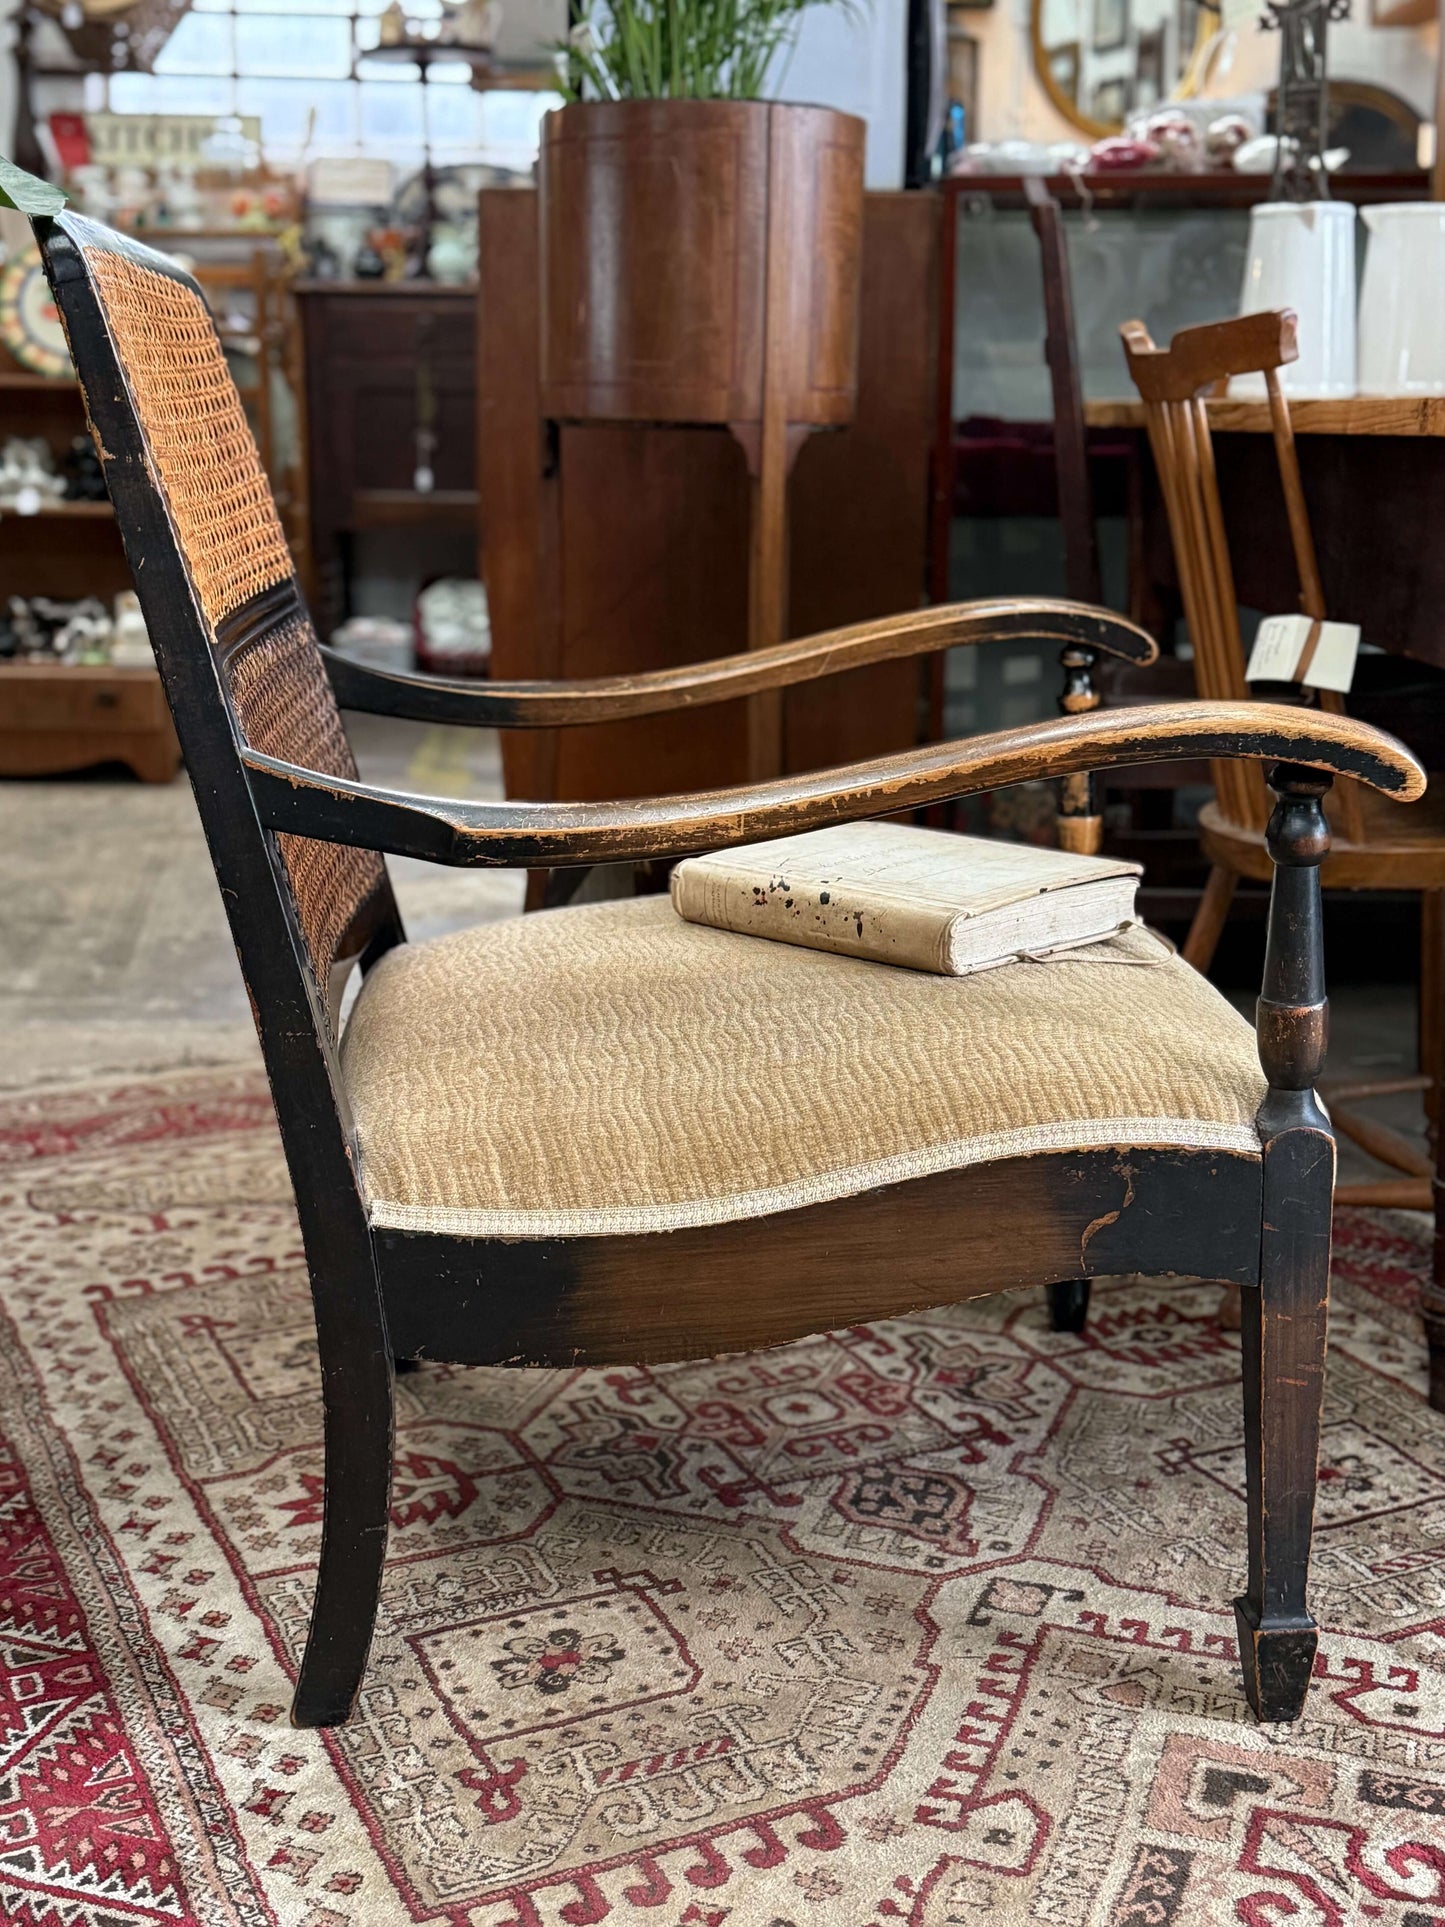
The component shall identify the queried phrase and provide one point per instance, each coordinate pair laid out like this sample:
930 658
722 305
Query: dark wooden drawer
380 328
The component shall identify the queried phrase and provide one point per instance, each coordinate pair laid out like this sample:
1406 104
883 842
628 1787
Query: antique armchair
600 1134
1377 845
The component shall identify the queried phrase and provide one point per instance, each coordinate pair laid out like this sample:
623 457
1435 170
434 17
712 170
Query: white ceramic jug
1402 302
1302 256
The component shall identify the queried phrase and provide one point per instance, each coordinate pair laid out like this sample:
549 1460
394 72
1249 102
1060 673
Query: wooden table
1374 478
1100 194
1359 415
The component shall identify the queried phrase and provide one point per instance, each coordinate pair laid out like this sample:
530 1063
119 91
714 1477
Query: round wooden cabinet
700 262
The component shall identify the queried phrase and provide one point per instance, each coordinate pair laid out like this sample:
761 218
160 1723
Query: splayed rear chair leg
357 1390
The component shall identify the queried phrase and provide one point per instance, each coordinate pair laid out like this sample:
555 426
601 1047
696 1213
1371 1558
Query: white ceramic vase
1402 301
1302 256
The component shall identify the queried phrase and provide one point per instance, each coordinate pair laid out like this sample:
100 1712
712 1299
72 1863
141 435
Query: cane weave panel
196 430
284 705
610 1068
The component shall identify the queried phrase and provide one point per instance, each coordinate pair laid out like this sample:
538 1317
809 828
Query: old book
923 899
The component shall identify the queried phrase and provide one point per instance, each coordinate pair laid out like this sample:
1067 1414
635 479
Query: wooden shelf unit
56 717
74 511
17 381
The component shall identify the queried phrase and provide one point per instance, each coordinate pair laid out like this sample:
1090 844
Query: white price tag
1321 655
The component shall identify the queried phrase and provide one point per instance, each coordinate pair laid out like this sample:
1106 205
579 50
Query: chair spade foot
1069 1304
1277 1659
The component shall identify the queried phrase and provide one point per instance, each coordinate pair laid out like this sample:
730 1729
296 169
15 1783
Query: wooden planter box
700 265
700 259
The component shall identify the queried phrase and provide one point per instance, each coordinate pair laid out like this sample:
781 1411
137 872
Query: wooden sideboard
390 394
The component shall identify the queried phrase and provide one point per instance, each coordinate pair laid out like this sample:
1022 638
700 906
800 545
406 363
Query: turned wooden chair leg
356 1376
1285 1315
1203 939
1081 828
1069 1304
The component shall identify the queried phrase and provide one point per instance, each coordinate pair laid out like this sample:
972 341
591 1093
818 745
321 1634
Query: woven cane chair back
205 465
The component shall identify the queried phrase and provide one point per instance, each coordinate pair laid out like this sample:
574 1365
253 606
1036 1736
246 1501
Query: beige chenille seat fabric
610 1068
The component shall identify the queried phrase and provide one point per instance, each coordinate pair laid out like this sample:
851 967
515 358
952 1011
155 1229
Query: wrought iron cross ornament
1302 107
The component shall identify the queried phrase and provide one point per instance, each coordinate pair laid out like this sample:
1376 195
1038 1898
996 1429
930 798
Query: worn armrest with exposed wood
520 835
600 699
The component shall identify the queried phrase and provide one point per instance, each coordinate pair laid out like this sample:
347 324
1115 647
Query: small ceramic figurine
1258 156
1118 154
133 196
181 201
452 620
472 23
84 476
84 633
90 185
392 29
452 255
130 642
27 474
1177 139
1224 137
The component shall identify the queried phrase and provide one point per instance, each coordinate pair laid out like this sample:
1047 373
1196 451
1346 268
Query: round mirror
1102 61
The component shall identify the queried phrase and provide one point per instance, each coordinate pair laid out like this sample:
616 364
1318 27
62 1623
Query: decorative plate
29 325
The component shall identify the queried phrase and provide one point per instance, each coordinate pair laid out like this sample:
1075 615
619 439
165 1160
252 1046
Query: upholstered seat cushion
611 1068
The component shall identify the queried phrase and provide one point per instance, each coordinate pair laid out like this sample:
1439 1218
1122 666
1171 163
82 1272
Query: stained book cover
921 899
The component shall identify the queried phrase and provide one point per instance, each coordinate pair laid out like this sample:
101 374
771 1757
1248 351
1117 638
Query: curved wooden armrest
545 835
1197 358
600 699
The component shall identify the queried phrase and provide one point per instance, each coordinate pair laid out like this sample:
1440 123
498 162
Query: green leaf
23 191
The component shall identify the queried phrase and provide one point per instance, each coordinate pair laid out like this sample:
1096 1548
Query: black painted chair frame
380 1295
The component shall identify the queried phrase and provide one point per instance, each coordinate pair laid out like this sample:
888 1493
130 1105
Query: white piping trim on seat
601 1221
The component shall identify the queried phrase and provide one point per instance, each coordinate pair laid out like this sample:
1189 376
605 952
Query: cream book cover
921 899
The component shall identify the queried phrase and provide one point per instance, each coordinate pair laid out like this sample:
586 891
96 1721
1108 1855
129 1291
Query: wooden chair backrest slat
1172 383
1082 574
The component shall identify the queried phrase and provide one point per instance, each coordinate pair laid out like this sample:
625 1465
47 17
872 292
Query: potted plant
690 230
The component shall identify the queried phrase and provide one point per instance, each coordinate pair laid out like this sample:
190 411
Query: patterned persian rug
917 1625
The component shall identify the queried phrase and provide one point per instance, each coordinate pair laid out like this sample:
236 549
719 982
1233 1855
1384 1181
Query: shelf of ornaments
50 477
15 379
101 511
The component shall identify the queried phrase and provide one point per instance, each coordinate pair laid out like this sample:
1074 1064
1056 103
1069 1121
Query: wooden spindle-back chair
1375 846
601 1134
